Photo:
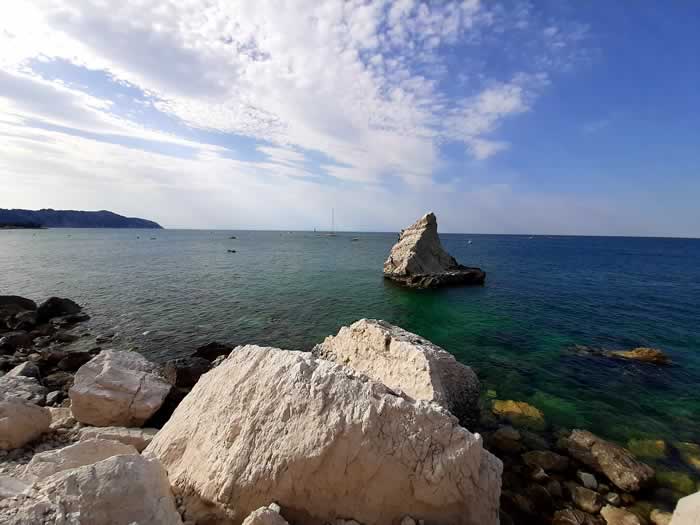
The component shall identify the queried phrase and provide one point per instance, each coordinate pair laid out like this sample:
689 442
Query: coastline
543 476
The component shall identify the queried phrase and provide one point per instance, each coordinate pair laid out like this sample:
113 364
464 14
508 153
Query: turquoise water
168 291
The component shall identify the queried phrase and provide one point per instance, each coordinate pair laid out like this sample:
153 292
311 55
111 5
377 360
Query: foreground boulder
266 516
405 362
21 422
79 454
617 463
272 425
687 511
418 260
117 388
121 490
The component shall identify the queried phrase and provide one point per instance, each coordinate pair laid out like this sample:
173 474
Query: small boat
355 239
231 251
469 241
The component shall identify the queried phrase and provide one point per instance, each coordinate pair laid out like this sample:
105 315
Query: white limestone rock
418 259
272 425
21 422
121 490
82 453
23 387
405 362
61 417
11 487
687 511
139 438
265 516
117 388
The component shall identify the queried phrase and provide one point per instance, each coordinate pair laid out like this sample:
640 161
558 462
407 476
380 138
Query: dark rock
69 320
24 321
184 372
211 351
26 369
56 307
65 337
541 499
505 439
547 460
74 360
27 388
554 488
587 500
10 306
617 463
170 403
54 398
13 340
59 381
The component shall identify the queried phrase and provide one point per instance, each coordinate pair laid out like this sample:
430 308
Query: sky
548 117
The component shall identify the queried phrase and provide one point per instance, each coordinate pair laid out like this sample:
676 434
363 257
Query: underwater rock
645 355
519 413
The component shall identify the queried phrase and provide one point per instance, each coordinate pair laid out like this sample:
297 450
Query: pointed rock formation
418 260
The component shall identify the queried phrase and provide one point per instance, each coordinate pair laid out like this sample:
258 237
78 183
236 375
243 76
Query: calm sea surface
166 292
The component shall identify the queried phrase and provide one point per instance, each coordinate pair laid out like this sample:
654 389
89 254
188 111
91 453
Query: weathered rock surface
574 517
121 490
265 516
139 438
22 387
645 355
26 369
405 362
10 307
82 453
617 463
687 511
547 460
21 422
418 259
271 425
117 388
11 487
660 517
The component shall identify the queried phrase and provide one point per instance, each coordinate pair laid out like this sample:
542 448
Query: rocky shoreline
374 425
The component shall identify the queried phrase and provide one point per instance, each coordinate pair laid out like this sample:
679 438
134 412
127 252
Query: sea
531 332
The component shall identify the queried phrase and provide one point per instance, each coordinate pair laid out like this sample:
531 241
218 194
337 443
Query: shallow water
168 291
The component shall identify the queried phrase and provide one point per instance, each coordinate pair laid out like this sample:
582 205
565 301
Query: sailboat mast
332 220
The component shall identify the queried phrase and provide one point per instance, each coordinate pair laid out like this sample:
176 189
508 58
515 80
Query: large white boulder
405 362
419 260
78 454
121 490
117 388
139 438
687 511
21 422
325 443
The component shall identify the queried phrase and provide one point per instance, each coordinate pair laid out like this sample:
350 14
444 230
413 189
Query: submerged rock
211 351
117 388
418 259
519 413
272 425
406 362
617 463
645 355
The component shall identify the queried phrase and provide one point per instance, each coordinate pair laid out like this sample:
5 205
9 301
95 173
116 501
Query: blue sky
513 117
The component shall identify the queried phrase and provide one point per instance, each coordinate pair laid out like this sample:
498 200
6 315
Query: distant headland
48 218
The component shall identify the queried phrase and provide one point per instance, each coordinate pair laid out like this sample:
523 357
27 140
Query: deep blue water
168 291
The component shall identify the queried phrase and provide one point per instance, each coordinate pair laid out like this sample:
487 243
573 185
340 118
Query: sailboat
332 233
